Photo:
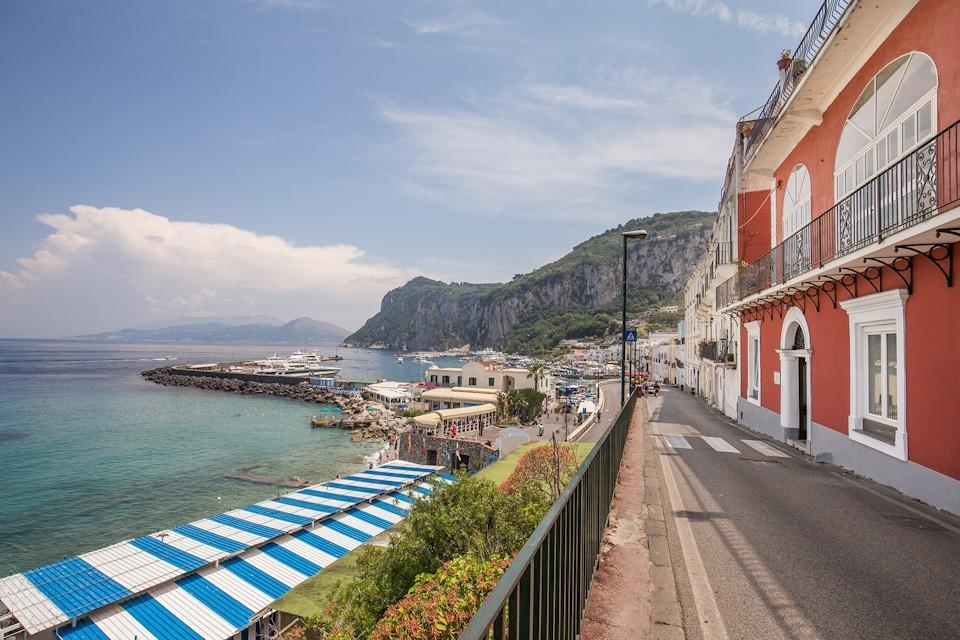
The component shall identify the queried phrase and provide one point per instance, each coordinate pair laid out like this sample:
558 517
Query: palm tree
538 372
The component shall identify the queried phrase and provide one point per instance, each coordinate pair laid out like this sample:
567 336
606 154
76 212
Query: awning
207 579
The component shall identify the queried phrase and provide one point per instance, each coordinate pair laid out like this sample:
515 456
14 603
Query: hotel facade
830 274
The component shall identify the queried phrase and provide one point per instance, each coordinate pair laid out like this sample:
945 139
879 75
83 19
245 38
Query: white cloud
133 265
745 18
470 22
309 5
764 24
710 8
565 150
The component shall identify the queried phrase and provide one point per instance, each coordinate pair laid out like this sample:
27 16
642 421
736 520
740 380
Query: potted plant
786 57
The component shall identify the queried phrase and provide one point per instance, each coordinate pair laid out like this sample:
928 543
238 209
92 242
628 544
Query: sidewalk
635 554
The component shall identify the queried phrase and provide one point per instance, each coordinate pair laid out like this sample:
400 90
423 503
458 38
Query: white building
709 341
486 375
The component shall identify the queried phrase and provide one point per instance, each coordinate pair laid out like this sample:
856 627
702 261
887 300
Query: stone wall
435 450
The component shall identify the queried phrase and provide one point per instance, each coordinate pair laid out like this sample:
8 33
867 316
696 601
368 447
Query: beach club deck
215 578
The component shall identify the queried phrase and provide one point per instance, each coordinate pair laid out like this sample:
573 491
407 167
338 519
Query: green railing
544 591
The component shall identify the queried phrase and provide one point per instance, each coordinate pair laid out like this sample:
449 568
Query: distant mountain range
233 321
301 332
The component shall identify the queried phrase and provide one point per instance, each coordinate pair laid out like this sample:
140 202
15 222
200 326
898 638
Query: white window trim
753 332
799 209
871 148
886 308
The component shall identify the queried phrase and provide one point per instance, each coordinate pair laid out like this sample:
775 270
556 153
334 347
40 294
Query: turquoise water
91 454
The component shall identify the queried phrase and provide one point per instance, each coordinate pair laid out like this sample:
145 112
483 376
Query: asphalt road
610 390
768 544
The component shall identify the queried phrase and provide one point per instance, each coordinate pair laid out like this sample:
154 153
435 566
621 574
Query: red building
849 317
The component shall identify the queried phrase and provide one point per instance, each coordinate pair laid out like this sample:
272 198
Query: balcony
918 187
819 32
719 351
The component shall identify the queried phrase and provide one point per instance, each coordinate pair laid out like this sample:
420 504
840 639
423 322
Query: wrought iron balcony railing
813 40
718 350
920 185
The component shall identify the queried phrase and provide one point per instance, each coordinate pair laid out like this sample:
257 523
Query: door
802 399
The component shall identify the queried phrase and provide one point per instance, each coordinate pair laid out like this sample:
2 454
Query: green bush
469 518
441 604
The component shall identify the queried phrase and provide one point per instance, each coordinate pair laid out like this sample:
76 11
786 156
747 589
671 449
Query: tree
542 472
538 372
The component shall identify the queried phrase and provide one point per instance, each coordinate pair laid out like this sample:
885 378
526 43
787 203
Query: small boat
399 359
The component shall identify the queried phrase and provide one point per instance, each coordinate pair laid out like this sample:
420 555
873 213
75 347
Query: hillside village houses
823 313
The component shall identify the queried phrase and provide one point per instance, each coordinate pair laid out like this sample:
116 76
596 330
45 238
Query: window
796 201
433 378
489 382
896 111
459 380
446 379
753 362
472 382
877 377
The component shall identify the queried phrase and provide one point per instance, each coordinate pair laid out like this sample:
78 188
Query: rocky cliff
575 296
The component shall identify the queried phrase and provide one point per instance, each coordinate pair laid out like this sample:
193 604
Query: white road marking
764 448
719 444
677 442
708 614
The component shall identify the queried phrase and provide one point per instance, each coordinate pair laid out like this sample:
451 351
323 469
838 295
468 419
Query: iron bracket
943 261
899 265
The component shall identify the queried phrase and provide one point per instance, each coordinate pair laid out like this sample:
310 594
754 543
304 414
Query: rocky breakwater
366 420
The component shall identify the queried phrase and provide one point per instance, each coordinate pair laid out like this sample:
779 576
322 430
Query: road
610 391
768 544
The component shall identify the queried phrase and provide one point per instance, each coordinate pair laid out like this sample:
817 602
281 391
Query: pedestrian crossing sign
630 335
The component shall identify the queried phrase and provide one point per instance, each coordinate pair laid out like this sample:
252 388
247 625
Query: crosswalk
673 442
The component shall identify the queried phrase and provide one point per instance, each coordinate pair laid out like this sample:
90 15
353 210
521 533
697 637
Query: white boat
399 359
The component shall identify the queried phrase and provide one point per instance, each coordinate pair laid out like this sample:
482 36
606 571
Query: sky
303 157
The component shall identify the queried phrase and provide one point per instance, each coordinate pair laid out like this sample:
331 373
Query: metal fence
920 185
544 591
819 31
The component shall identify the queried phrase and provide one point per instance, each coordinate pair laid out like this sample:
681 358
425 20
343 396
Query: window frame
880 313
754 368
799 210
870 150
471 382
490 382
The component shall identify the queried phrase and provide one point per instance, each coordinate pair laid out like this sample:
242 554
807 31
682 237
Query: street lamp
638 234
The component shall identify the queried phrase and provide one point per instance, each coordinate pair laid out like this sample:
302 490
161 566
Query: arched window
796 201
896 111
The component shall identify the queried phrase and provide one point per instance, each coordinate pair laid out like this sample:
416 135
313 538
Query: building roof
207 579
487 390
433 418
453 395
390 389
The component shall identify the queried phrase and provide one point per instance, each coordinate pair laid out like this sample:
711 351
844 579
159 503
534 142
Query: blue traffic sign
630 335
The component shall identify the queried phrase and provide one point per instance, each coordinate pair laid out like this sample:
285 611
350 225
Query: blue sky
294 157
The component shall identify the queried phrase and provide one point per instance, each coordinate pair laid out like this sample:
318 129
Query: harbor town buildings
824 312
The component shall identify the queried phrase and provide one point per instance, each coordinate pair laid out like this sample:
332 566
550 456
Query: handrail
819 31
544 590
918 186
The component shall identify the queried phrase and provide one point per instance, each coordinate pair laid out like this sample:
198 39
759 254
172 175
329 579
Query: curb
666 614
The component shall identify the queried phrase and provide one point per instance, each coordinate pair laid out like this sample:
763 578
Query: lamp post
638 234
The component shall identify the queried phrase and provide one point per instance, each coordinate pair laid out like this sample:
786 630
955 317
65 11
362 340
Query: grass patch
307 598
501 469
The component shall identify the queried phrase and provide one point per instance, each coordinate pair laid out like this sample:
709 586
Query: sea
91 454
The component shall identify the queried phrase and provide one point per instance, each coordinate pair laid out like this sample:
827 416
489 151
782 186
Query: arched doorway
795 352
